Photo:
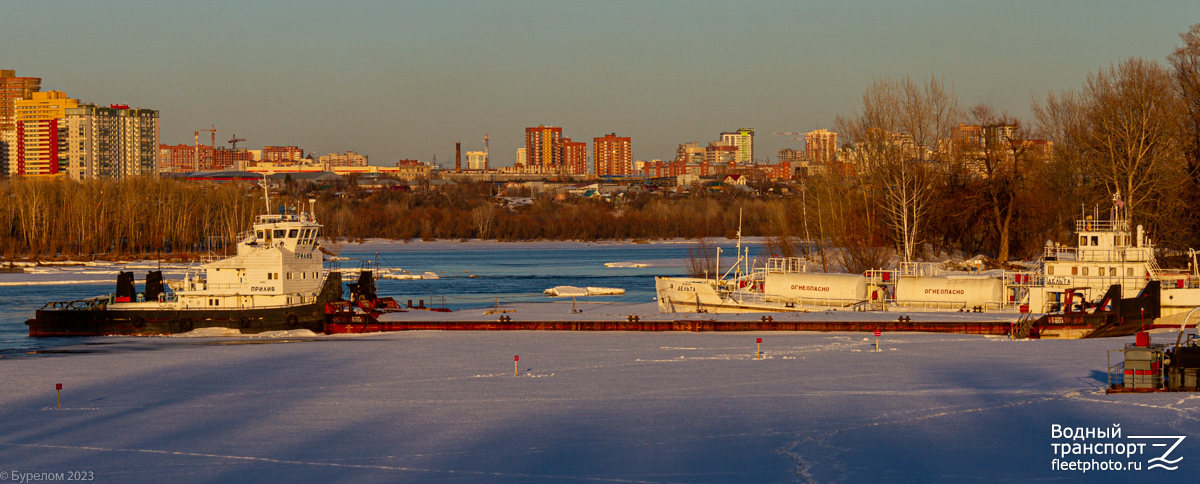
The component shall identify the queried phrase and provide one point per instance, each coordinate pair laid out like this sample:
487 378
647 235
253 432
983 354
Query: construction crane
234 141
213 130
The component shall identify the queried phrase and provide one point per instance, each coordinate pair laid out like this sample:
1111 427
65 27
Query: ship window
1085 271
270 276
315 231
1116 240
1095 240
1082 241
279 233
289 276
292 233
1050 270
1129 272
306 232
260 234
1074 271
1112 271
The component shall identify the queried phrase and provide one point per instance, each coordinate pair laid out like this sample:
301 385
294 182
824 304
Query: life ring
139 322
292 321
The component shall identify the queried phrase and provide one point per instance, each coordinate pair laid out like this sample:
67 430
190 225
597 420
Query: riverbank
382 245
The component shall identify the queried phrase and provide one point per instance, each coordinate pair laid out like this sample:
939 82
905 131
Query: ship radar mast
1118 205
266 193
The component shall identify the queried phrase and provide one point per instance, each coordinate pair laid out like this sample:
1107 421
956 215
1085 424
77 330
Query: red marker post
58 394
516 358
758 348
878 333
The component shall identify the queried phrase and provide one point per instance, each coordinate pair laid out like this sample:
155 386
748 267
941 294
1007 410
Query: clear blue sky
397 80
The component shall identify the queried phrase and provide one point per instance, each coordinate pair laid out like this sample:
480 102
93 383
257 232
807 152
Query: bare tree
702 260
1124 125
483 216
1185 70
1004 157
895 136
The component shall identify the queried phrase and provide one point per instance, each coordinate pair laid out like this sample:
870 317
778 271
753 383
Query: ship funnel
154 285
312 213
1139 236
125 286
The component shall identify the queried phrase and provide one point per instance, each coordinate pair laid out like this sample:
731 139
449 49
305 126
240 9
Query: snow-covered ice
572 291
594 407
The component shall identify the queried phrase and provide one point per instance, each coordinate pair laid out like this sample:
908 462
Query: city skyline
407 81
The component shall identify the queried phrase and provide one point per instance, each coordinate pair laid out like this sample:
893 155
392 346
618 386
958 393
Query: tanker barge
275 282
1108 283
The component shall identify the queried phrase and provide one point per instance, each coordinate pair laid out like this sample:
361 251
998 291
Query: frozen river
471 275
587 407
431 406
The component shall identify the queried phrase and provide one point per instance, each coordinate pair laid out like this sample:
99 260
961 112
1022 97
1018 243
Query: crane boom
213 130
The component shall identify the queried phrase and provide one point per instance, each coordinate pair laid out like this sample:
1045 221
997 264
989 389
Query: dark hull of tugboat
1113 316
151 322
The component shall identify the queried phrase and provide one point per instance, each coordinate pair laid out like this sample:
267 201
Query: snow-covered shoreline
381 245
390 245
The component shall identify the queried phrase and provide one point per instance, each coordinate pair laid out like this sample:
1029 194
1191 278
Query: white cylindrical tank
816 286
970 290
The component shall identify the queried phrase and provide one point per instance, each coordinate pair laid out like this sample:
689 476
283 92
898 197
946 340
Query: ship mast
266 193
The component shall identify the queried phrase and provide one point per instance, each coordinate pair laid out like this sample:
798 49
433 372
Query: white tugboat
275 282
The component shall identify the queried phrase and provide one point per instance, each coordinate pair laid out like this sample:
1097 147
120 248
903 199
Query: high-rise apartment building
282 153
13 88
348 158
997 136
820 146
574 156
522 157
182 158
476 160
40 138
543 148
613 155
690 153
720 154
788 155
966 138
112 142
743 139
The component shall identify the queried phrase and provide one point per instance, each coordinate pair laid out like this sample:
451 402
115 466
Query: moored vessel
1108 283
276 281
